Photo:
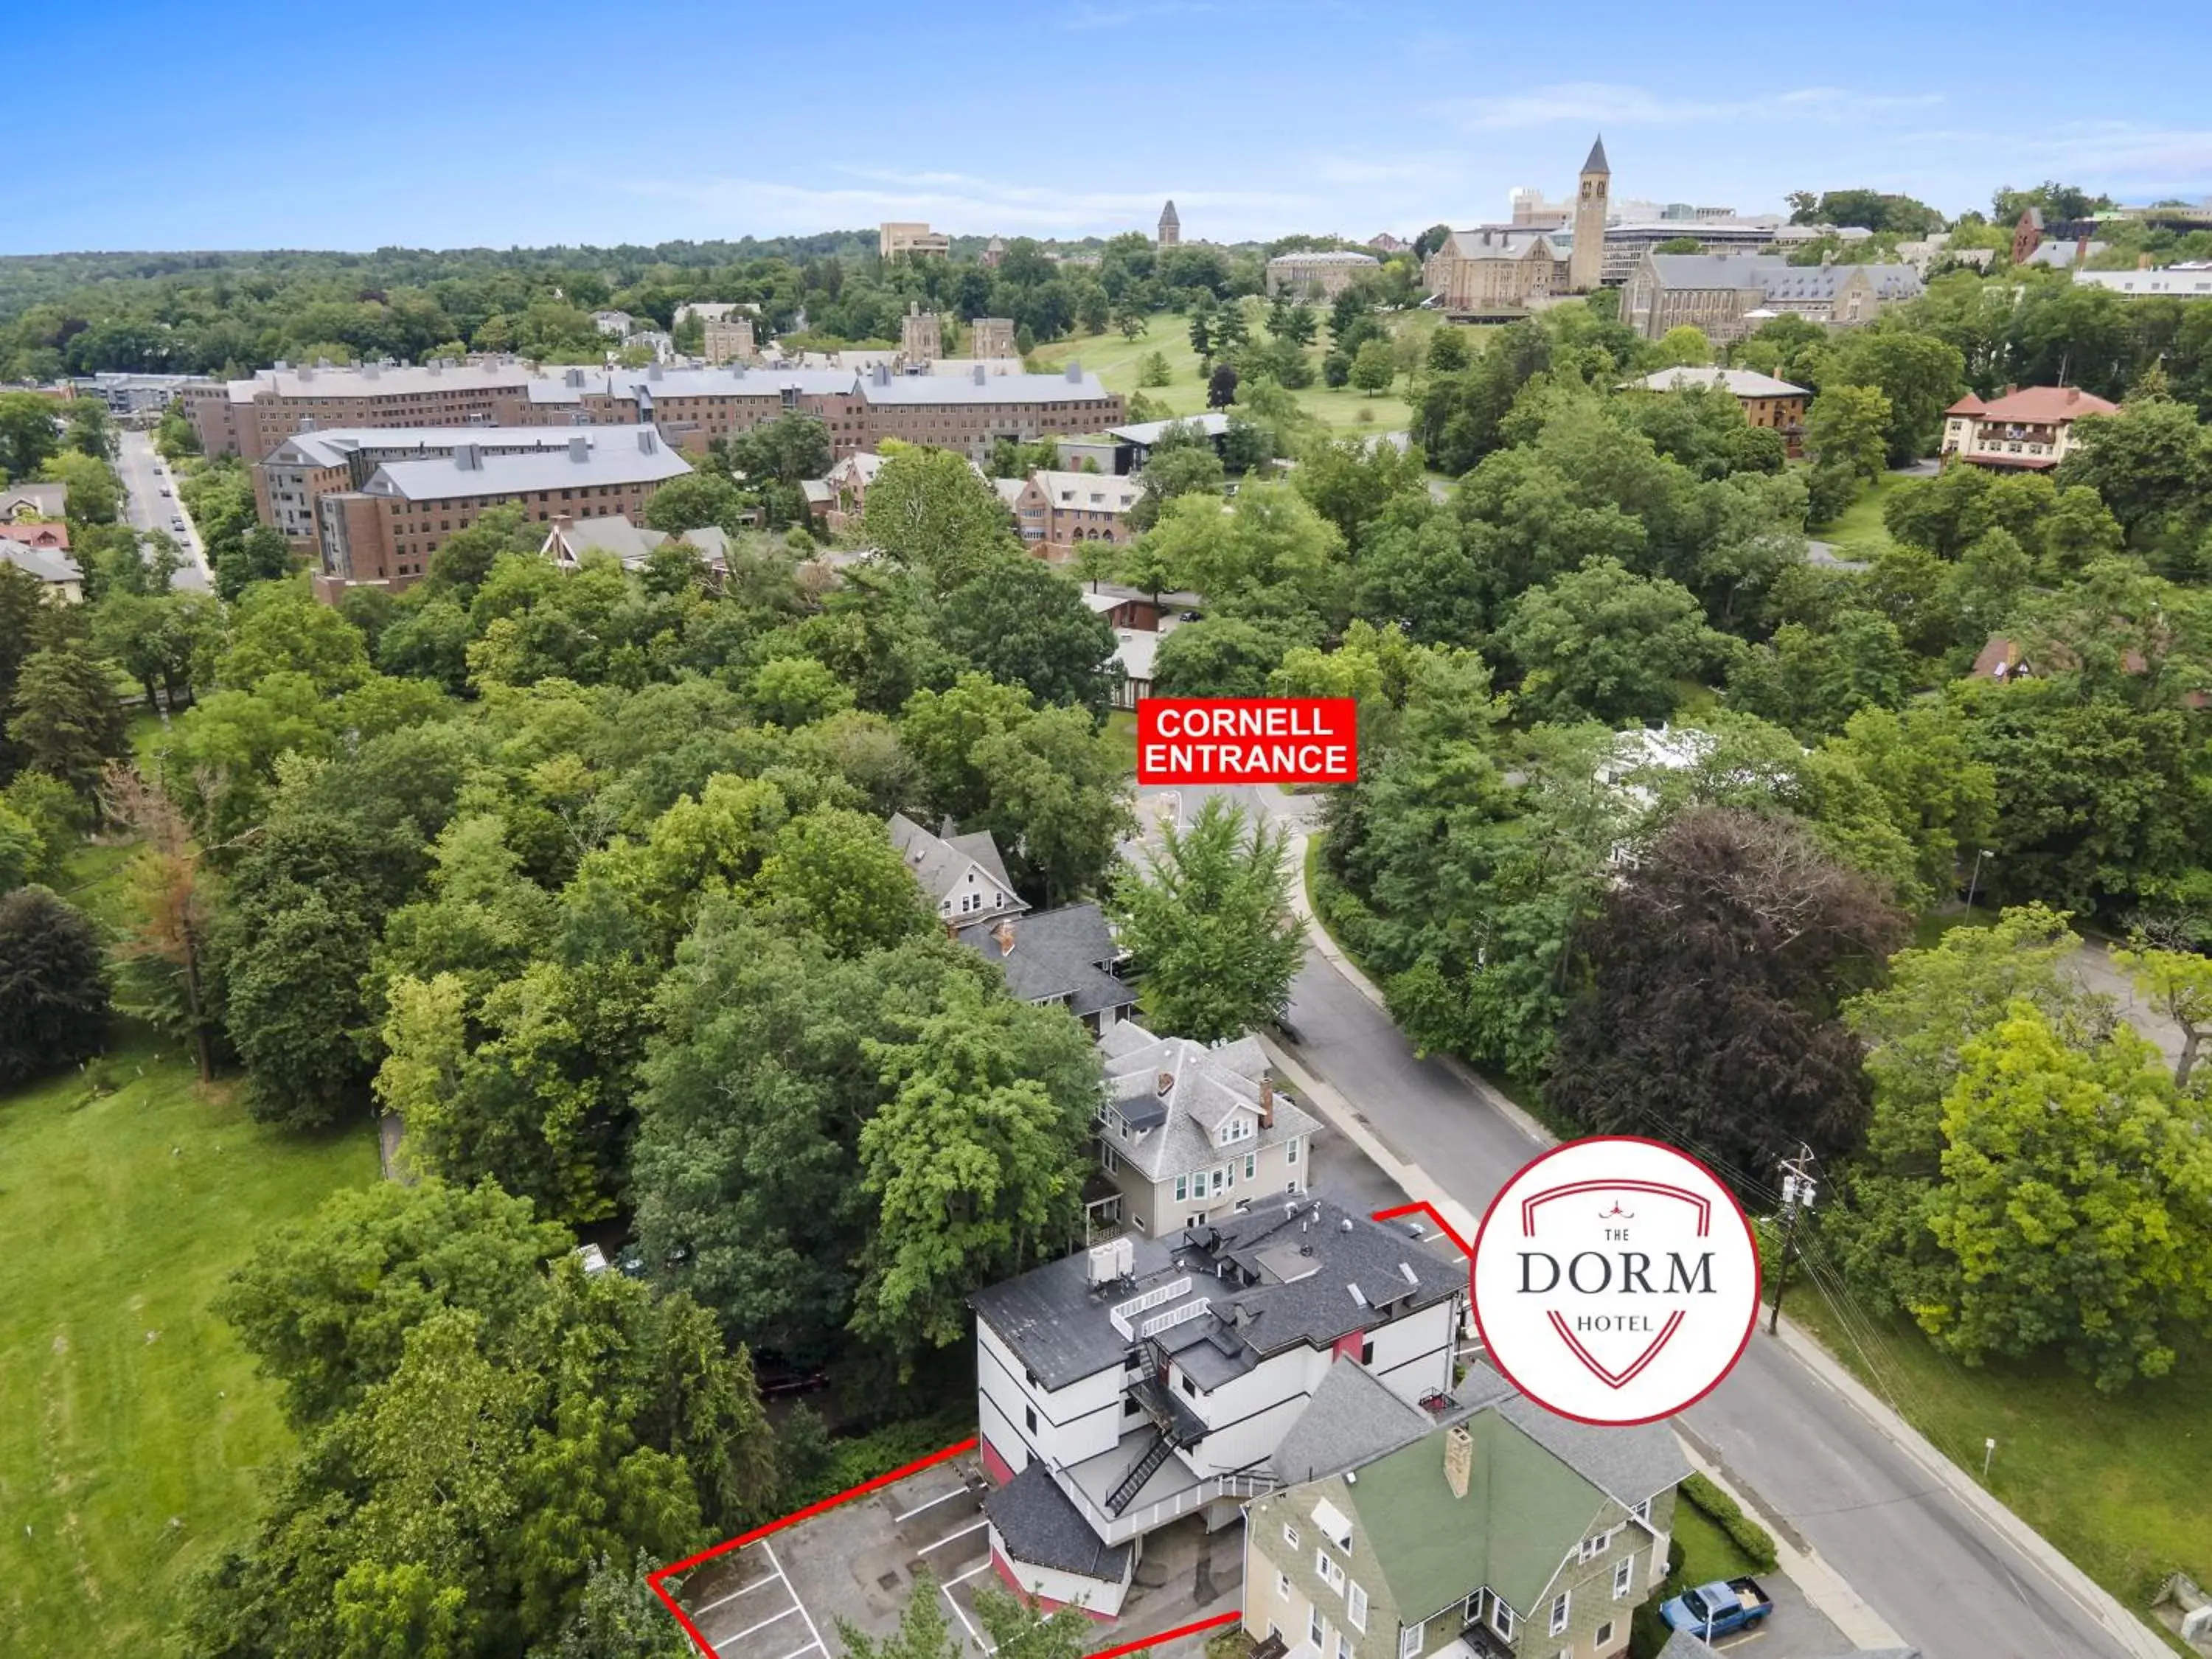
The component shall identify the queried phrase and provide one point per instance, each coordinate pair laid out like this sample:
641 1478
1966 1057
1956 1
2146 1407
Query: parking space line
809 1648
965 1532
965 1577
763 1625
725 1600
770 1550
961 1613
957 1491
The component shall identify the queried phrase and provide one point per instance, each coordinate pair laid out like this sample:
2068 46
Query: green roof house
1504 1534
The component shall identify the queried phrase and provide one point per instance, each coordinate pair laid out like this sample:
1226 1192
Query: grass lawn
1708 1554
2118 1482
135 1429
1860 526
1114 360
1121 733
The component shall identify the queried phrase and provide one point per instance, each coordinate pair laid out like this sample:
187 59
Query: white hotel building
1121 1390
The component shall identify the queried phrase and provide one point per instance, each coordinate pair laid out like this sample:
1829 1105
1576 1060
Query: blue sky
250 124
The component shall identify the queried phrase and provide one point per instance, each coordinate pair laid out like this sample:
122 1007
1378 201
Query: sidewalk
1824 1589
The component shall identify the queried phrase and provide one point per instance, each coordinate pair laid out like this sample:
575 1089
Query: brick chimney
2142 262
1459 1459
1004 933
2081 250
1266 1102
1165 1085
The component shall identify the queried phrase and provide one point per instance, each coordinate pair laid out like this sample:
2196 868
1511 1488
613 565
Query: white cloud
965 204
1599 103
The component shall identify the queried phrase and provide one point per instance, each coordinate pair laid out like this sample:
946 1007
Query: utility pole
1798 1191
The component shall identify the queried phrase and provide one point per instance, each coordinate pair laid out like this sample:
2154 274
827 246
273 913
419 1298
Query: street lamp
1974 880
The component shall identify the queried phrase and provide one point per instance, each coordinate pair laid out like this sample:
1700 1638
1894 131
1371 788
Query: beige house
914 236
730 340
2030 429
1475 1525
991 336
921 338
1057 510
1189 1134
1489 271
962 876
1318 276
1765 401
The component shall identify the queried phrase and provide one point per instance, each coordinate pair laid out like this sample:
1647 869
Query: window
1283 1585
1355 1605
1291 1537
1501 1618
1559 1613
1251 1164
1343 1646
1331 1573
1604 1634
1030 1413
1316 1629
1182 1187
1409 1642
1642 1511
1291 1149
1624 1574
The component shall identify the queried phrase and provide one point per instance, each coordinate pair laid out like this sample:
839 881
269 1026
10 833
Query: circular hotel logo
1616 1280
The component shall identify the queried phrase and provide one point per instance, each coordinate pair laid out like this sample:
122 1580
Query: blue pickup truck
1718 1609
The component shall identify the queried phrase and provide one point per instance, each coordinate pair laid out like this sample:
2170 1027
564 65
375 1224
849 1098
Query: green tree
1847 428
1053 791
1605 642
1174 472
30 433
836 872
1920 374
696 500
1023 622
2179 984
1682 346
2149 464
620 1618
1373 368
94 493
54 985
2076 1203
66 719
1209 922
927 509
1448 350
976 1161
261 555
795 691
1153 371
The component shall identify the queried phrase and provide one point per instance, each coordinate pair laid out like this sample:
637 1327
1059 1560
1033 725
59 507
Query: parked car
165 489
1718 1609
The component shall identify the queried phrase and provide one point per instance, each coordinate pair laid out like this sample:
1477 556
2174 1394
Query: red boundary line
657 1577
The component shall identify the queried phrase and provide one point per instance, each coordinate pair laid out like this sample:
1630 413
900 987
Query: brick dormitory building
385 532
968 411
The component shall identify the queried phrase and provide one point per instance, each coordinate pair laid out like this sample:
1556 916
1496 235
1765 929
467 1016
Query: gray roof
1058 956
374 379
630 542
992 389
2061 255
48 500
1597 161
940 863
1306 1273
609 455
1739 382
334 447
1211 424
1039 1526
1628 1465
1205 1086
1325 257
2180 282
1499 242
1775 277
48 564
1351 1419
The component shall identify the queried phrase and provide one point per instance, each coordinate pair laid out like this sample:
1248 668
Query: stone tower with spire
1586 264
1170 227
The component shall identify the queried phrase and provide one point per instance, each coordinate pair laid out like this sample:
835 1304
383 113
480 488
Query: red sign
1248 740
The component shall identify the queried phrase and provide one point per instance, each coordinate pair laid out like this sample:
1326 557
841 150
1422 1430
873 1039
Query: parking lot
782 1597
791 1595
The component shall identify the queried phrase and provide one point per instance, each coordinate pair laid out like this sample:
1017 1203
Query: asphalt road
1940 1578
144 474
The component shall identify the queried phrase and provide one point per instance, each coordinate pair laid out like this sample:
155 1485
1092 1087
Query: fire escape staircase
1175 1426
